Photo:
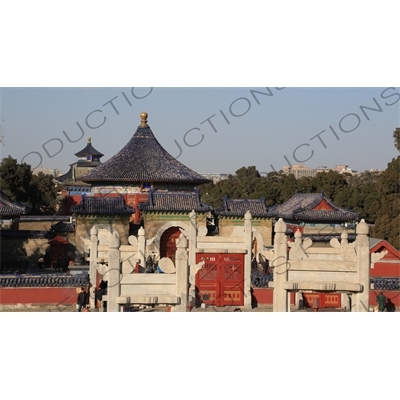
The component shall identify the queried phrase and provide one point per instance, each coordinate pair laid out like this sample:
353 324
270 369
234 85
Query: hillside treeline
375 195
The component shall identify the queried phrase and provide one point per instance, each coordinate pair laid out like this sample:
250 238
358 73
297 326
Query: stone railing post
141 247
94 245
248 244
192 254
361 300
280 267
114 273
182 272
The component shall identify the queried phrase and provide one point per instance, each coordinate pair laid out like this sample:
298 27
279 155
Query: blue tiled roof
143 159
28 234
10 208
300 207
31 218
63 227
89 150
44 280
239 207
67 176
327 238
174 201
102 206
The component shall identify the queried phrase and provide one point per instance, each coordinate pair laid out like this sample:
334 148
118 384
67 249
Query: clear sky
210 130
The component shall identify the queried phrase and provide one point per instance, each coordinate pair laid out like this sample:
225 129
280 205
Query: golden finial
144 116
89 140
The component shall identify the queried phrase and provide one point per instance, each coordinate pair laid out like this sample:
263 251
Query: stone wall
153 222
85 224
262 226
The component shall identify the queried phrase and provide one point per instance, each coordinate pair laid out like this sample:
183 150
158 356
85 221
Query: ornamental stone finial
144 116
280 226
362 228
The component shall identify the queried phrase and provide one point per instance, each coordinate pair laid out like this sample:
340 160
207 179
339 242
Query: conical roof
89 150
143 159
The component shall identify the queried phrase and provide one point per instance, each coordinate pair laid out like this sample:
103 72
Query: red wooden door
221 280
168 243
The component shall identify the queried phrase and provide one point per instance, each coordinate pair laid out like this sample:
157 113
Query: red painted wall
264 296
72 200
383 268
38 295
394 296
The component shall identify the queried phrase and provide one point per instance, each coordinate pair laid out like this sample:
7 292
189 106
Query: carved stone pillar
361 300
114 273
182 272
280 265
141 247
248 243
94 245
192 254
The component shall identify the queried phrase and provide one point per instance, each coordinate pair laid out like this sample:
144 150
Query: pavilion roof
313 207
143 159
102 206
239 207
174 201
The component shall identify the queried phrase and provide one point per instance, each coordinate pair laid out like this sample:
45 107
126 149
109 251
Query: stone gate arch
166 226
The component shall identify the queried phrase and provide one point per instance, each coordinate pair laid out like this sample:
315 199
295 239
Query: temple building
317 217
141 165
166 212
72 186
88 158
109 214
230 215
145 178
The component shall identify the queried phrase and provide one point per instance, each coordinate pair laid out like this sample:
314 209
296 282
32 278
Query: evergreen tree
19 184
396 137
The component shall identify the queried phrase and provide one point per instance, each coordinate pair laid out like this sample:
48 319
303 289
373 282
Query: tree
19 184
1 131
43 194
15 179
396 136
387 217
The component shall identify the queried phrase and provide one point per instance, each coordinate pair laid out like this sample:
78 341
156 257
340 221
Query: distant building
53 172
216 177
301 170
88 159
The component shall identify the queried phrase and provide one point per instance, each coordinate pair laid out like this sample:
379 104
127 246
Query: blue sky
265 125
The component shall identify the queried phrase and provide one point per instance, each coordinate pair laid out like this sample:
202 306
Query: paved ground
72 308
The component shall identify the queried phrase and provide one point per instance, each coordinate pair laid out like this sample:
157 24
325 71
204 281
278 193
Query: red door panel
221 280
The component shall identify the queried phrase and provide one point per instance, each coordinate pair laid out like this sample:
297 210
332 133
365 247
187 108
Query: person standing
381 299
41 264
82 300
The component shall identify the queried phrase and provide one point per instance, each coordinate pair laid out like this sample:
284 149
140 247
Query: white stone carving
167 266
346 250
132 240
375 257
298 248
238 231
194 269
202 231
